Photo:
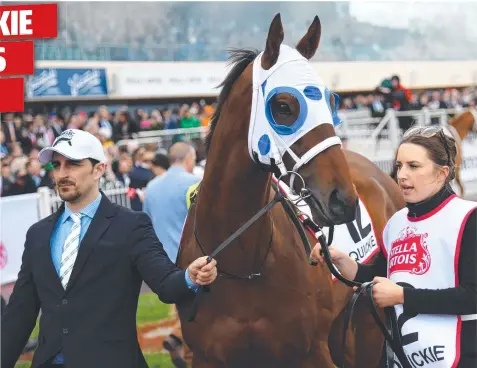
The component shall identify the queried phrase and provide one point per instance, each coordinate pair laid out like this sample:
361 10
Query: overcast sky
398 13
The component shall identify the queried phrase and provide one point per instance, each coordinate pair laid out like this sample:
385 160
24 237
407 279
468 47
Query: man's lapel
45 254
98 226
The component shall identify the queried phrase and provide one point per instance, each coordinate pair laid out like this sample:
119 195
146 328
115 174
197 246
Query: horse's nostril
337 205
339 208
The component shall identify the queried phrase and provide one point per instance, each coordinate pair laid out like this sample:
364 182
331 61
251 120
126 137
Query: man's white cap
75 145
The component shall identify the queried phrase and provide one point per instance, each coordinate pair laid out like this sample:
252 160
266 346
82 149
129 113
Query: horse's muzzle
341 209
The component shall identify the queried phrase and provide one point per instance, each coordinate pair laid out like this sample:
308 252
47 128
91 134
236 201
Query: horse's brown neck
232 191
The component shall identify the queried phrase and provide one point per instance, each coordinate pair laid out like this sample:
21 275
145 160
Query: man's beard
72 195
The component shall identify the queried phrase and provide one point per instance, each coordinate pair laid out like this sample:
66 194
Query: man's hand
202 273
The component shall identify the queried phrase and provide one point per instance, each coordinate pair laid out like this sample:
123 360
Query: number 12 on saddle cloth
357 238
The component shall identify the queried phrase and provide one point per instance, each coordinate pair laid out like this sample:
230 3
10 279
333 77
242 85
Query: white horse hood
292 74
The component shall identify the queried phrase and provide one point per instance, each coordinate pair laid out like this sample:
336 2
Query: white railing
379 140
49 201
162 133
164 138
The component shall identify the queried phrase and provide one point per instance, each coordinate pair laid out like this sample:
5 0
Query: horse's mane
240 58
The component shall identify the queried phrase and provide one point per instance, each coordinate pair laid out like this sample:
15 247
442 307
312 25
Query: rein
279 197
365 288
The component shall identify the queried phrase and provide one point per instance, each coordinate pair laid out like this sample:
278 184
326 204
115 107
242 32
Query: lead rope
365 288
202 289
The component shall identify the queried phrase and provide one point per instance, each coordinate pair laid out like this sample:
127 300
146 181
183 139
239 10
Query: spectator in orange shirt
207 116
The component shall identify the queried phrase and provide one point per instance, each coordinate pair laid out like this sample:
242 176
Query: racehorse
269 308
460 126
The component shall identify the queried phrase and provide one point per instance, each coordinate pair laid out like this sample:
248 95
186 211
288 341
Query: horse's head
465 122
292 125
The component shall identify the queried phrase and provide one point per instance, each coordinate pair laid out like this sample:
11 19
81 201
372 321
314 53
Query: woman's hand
387 293
337 256
346 265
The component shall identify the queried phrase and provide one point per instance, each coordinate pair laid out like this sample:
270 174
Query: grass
36 330
158 360
24 365
150 309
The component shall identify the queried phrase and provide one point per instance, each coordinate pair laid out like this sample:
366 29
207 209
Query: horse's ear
309 43
274 40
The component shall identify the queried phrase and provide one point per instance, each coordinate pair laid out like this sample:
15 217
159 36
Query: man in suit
83 266
140 175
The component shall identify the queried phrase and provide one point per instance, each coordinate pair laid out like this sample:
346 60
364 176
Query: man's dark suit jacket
93 321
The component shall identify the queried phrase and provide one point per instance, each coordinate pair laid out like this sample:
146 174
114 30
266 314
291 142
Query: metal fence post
394 131
44 202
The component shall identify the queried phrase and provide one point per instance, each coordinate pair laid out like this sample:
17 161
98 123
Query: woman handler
428 256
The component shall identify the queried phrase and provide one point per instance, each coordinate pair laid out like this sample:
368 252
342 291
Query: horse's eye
281 108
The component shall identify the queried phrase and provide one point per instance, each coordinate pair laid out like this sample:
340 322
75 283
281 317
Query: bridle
281 170
289 209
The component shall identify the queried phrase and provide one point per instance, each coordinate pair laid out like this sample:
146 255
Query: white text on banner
170 80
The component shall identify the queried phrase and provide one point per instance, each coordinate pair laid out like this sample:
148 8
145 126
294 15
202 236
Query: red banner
19 22
16 58
12 95
28 21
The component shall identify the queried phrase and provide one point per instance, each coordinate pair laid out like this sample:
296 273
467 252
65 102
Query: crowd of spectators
451 98
23 135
